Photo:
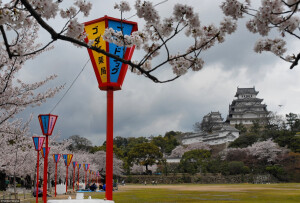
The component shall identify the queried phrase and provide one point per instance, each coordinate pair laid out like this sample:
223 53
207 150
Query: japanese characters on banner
47 122
67 158
110 73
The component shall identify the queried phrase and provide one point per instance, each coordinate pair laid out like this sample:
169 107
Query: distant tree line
270 149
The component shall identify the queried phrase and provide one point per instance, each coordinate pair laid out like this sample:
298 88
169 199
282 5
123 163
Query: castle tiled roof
245 91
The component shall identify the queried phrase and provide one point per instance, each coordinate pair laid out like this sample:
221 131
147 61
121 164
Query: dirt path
220 188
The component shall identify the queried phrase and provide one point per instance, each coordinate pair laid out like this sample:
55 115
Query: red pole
109 144
55 177
74 179
85 177
45 172
37 177
89 177
67 180
78 179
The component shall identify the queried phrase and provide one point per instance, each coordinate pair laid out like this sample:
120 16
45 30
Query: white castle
246 109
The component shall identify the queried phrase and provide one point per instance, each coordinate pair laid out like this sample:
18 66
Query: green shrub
277 171
237 167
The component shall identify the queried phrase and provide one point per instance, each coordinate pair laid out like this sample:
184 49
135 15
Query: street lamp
74 167
38 143
110 74
56 158
78 166
97 174
90 176
47 122
68 159
86 168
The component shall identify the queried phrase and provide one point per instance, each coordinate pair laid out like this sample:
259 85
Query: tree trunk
15 184
49 182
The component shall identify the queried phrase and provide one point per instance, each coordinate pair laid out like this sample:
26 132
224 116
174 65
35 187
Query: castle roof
245 91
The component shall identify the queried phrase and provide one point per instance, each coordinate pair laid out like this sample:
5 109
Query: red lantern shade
68 159
43 151
110 73
86 167
47 122
38 143
74 164
56 157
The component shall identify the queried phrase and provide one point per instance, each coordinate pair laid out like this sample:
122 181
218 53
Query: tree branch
56 36
5 41
295 63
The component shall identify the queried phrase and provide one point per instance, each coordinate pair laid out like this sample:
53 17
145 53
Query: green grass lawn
283 193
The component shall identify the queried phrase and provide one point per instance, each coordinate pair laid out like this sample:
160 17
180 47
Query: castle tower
247 108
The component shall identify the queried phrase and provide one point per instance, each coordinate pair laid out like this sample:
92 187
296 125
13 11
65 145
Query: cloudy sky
143 108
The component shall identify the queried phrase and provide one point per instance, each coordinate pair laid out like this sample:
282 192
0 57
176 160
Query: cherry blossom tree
282 16
15 96
181 149
267 151
18 156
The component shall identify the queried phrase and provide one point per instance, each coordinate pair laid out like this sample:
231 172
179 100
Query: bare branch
5 41
295 63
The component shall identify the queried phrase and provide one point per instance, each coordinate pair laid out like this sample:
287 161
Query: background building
213 131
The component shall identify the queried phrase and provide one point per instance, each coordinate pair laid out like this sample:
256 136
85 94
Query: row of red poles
38 142
47 122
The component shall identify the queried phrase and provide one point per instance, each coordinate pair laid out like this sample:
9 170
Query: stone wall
200 179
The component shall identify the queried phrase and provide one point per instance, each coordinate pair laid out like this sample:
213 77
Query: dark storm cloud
144 108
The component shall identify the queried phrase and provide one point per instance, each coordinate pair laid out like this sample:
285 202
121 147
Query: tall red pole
67 180
74 178
37 177
45 172
85 177
109 144
78 179
89 177
55 177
